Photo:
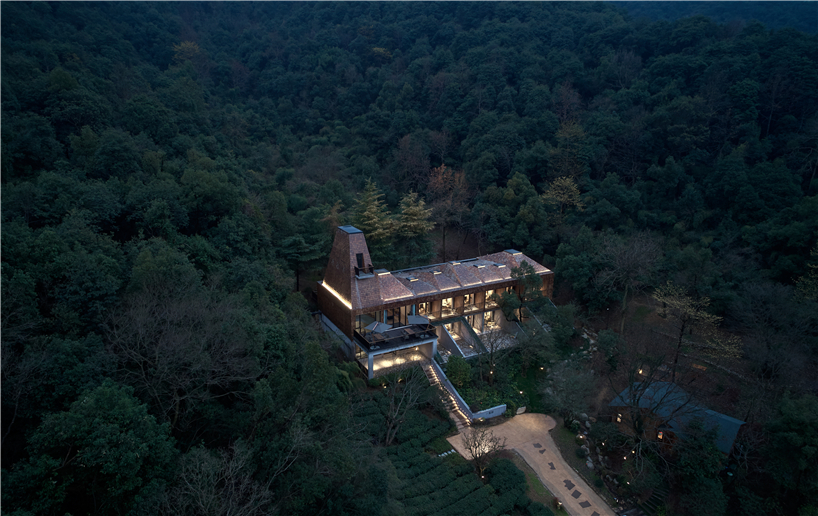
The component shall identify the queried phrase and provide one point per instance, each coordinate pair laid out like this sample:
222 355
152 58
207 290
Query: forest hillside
172 174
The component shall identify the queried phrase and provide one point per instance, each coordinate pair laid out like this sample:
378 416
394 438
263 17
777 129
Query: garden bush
538 509
439 445
581 453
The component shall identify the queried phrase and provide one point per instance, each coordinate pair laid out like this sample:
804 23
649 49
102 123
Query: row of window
433 310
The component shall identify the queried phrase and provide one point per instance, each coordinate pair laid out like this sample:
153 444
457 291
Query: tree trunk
624 310
443 227
459 247
678 352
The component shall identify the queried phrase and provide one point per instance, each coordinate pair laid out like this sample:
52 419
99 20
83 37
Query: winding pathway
528 435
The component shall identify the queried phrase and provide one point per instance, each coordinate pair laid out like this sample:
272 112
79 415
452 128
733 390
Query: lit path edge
528 435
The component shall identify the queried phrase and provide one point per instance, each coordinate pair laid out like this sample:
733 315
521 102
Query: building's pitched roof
362 291
670 402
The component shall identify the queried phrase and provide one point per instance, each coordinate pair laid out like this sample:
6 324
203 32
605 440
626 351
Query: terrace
395 338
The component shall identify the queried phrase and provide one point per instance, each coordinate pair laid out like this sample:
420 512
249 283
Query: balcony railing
396 337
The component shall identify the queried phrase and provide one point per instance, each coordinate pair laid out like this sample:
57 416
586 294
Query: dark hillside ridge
801 16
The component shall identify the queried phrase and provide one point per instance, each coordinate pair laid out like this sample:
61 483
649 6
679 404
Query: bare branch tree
629 265
217 484
481 445
405 390
22 373
685 313
179 351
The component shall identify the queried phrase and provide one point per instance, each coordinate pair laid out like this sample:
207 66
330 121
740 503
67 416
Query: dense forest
172 174
775 15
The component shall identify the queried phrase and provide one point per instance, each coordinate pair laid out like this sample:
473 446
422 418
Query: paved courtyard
528 435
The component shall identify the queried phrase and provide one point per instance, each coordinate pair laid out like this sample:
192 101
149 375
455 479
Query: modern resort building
390 319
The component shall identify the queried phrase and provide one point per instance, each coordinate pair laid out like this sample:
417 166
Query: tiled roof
382 287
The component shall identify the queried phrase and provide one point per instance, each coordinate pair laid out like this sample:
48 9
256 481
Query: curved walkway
528 435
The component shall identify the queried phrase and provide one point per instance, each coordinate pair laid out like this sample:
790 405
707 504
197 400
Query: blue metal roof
668 400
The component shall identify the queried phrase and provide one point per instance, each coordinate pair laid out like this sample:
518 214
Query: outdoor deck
395 338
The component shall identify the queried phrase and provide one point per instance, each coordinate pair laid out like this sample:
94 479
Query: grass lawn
537 492
565 440
530 384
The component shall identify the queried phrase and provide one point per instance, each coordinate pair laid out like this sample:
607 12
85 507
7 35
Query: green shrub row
422 427
459 490
478 502
414 468
436 479
439 445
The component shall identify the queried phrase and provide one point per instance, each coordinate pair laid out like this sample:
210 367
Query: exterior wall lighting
336 295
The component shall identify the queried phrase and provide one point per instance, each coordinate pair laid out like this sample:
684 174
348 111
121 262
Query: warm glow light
521 392
541 368
640 371
660 435
336 294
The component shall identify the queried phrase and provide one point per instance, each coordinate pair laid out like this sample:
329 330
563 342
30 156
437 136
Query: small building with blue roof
671 410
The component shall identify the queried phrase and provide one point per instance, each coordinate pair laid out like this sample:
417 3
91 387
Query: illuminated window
619 418
660 436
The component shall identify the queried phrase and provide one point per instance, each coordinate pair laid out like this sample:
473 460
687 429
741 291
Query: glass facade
478 307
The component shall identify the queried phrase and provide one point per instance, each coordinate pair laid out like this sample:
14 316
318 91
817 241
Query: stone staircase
460 420
651 505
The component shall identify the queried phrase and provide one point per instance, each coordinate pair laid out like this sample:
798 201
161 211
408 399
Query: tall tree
448 194
413 226
405 390
792 449
571 157
629 264
482 445
97 457
686 314
562 194
567 388
300 254
370 215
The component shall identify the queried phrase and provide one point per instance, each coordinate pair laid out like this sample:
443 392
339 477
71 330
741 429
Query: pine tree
371 216
413 226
